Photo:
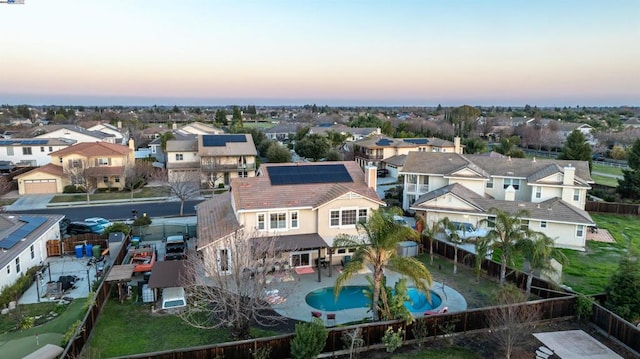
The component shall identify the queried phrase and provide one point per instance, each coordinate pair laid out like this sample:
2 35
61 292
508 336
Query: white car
104 223
467 231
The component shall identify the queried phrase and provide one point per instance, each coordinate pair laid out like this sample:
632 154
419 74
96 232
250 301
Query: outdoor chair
331 318
316 314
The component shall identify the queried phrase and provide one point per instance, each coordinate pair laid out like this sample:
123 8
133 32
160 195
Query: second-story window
9 151
538 191
489 183
103 161
50 149
32 250
294 219
261 222
278 220
26 151
18 265
576 195
179 157
41 149
511 182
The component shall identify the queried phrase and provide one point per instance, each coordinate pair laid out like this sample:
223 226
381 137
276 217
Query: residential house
103 162
187 132
373 150
632 122
465 187
213 159
355 133
281 131
23 243
29 151
121 135
565 129
199 128
306 205
74 133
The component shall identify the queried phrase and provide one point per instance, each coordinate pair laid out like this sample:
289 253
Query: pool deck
296 307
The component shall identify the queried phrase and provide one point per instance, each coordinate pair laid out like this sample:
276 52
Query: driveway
30 201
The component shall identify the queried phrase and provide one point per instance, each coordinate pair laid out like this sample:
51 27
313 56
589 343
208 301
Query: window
179 157
153 149
538 191
300 259
50 149
26 151
512 182
524 224
349 217
75 163
105 179
491 222
117 179
41 149
243 174
9 151
294 219
543 224
223 260
278 220
33 254
103 161
362 215
335 218
9 269
18 265
579 231
261 223
489 183
576 195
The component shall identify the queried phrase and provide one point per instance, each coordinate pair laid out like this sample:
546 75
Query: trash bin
79 251
96 251
88 249
135 241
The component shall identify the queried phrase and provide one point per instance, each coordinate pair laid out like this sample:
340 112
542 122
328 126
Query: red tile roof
93 149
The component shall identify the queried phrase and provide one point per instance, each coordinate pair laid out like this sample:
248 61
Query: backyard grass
128 328
589 272
145 192
597 167
443 353
604 180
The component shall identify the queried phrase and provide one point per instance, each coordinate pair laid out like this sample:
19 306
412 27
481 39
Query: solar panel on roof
417 141
286 175
221 140
383 142
31 224
5 142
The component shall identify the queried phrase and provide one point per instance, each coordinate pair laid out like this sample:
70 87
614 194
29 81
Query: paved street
120 211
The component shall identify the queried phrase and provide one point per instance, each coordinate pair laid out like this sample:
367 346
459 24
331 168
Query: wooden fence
616 327
614 208
372 333
82 333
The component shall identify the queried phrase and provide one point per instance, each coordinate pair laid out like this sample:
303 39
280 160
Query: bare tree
513 320
136 174
184 186
233 283
80 175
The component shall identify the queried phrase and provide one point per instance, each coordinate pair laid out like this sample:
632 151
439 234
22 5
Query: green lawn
145 192
131 328
589 272
597 167
260 125
604 180
444 353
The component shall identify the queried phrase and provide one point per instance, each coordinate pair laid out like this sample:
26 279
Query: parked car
467 230
383 172
102 222
84 227
175 248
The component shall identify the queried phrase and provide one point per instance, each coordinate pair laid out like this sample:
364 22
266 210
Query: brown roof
253 193
166 274
122 272
48 168
246 148
93 149
105 171
216 219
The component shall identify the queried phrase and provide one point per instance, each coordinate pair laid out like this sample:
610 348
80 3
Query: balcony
369 156
416 188
221 167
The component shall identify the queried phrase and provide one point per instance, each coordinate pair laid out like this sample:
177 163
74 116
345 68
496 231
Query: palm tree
482 250
377 247
429 232
454 237
539 249
504 233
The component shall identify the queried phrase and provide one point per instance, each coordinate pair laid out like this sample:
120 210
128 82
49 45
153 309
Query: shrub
392 340
116 227
142 221
310 339
584 307
27 323
69 333
72 189
14 291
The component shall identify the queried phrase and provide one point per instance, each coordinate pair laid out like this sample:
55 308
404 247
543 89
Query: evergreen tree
236 120
576 148
629 185
623 289
221 117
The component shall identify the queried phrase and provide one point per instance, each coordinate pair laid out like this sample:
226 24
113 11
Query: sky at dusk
335 52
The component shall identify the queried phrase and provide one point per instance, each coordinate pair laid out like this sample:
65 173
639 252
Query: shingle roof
216 219
182 145
380 141
246 148
105 171
48 168
11 223
397 160
79 129
256 193
93 149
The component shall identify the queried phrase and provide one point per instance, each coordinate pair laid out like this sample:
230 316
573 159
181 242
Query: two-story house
121 135
465 187
73 133
212 160
306 205
23 243
101 163
373 150
29 151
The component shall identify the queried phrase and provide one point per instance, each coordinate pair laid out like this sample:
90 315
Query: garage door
40 186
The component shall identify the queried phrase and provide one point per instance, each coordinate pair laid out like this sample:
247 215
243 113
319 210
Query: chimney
132 149
510 194
371 175
456 145
569 175
174 126
119 124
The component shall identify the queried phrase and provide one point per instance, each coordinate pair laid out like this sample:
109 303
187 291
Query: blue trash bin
88 250
79 251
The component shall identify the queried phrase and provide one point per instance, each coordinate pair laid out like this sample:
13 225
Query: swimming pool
352 297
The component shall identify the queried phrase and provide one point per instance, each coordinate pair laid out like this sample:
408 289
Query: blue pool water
351 297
